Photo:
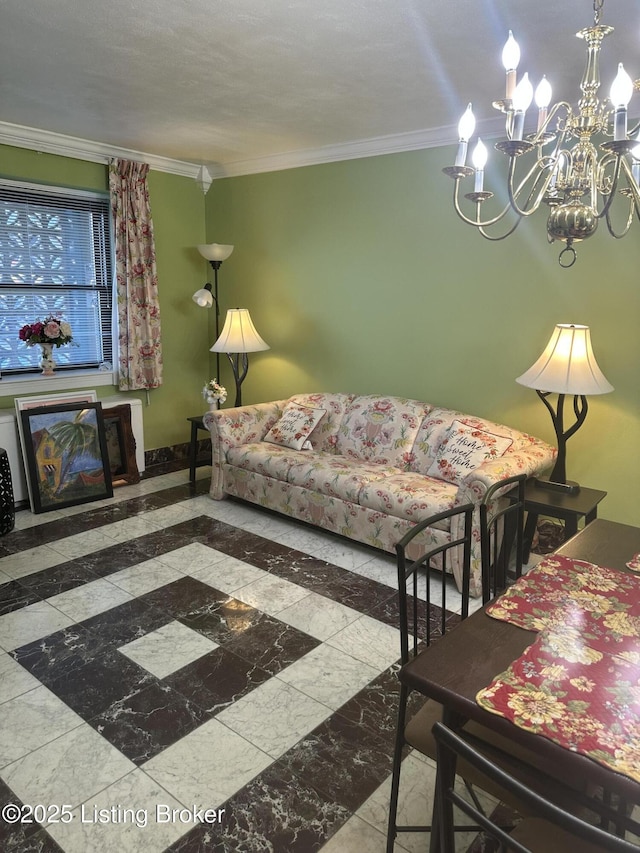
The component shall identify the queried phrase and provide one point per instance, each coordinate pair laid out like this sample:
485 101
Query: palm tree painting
67 455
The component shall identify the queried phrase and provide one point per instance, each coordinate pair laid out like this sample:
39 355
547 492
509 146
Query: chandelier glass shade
577 163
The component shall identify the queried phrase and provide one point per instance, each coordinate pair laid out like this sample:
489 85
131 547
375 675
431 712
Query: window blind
55 259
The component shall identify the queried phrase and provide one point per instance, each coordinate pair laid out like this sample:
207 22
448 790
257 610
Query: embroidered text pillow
295 426
463 449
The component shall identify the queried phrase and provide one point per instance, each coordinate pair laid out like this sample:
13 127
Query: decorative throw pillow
295 426
463 449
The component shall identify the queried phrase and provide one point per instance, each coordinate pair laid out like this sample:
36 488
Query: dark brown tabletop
468 658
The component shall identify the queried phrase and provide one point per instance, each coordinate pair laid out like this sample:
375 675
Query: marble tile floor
181 674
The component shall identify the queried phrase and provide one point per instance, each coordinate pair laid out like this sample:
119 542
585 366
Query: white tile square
14 679
274 716
271 594
168 649
318 616
30 720
69 769
191 558
207 766
146 576
31 623
32 560
228 574
82 543
136 802
89 599
328 675
370 641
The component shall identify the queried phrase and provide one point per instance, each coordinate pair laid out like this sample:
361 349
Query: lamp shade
567 365
239 334
203 297
215 251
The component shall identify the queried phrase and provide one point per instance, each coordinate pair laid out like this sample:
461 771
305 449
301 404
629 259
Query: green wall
177 205
361 278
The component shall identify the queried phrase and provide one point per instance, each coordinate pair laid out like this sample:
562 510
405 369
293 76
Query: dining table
468 661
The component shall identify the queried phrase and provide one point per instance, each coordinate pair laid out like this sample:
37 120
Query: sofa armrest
234 427
531 460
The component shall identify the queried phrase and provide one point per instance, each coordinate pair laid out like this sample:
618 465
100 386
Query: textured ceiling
231 82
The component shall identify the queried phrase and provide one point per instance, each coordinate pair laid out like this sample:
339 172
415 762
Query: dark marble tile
342 760
14 835
186 598
272 644
59 654
93 687
277 812
125 623
216 680
226 623
114 558
144 723
14 596
58 579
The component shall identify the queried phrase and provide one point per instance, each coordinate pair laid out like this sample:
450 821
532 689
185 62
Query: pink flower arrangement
51 330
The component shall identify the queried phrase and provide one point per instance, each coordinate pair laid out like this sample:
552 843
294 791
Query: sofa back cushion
381 429
324 437
434 430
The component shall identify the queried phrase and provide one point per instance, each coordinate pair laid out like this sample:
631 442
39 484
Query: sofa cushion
381 429
337 476
464 449
410 496
295 426
272 460
324 436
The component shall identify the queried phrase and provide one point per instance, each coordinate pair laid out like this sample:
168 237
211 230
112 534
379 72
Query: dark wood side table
569 508
196 424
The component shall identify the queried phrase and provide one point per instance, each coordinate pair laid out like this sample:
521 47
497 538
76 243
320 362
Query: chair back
501 525
554 828
415 606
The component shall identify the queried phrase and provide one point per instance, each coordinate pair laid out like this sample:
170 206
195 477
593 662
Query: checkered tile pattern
177 675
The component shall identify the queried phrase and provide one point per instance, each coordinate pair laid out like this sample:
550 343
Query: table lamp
567 366
239 337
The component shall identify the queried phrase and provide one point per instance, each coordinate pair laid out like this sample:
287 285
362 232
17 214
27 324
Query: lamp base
569 488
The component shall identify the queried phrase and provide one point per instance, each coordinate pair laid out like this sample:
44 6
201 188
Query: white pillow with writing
464 449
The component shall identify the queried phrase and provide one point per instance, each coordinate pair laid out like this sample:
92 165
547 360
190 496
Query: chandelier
558 166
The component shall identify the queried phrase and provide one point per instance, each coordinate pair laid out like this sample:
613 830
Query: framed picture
66 455
54 400
121 445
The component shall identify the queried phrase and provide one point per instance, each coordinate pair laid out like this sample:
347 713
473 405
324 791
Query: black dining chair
502 534
418 629
548 826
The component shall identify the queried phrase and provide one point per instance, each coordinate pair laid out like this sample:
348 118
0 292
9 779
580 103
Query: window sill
58 382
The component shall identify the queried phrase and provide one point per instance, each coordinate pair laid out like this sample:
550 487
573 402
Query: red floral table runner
579 683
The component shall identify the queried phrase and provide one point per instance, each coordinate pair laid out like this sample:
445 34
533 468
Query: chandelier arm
513 195
502 237
477 223
625 230
611 192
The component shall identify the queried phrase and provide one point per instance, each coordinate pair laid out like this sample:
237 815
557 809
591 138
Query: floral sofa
367 467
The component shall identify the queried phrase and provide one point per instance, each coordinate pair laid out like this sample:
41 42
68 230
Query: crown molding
85 149
374 147
98 152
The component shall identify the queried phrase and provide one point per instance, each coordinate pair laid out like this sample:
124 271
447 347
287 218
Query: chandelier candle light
48 333
559 165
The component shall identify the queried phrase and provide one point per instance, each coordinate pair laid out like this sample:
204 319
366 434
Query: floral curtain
140 348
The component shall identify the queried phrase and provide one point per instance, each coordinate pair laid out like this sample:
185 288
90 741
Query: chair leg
395 774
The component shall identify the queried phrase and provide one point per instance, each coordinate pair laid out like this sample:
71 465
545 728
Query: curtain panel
140 347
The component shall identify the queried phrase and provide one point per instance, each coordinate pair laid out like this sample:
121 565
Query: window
55 258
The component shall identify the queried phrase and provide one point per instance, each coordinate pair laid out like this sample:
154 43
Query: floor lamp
239 337
215 253
567 366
